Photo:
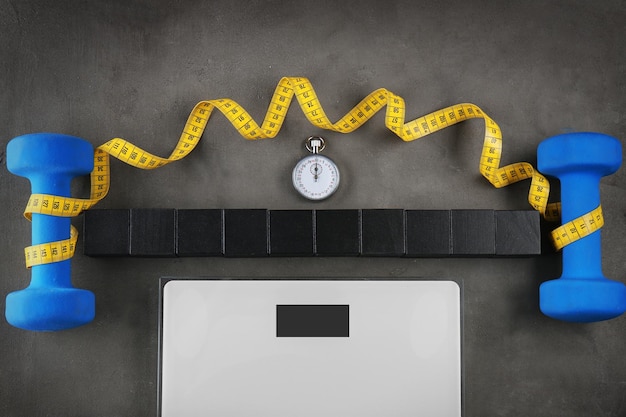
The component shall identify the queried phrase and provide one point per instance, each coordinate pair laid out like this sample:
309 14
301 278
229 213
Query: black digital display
313 320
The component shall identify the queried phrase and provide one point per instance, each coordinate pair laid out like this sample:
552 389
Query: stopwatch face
316 177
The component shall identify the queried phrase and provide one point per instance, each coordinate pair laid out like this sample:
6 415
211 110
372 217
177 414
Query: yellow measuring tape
302 90
578 228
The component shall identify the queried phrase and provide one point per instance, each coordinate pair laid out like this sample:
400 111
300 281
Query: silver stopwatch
315 176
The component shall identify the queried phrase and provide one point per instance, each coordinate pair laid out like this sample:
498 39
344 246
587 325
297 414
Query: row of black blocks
260 232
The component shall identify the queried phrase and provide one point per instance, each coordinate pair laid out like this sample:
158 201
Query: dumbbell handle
46 228
580 194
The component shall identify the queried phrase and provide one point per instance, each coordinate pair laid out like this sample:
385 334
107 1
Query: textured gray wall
135 69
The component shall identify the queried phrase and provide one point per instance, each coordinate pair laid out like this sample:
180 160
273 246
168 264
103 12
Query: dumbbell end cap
586 151
50 309
582 300
50 154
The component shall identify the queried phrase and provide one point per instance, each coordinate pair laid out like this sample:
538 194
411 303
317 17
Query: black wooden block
518 233
428 233
473 232
245 232
337 232
382 232
199 232
106 232
153 232
291 233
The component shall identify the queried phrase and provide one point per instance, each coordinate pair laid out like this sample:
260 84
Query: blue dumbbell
50 302
582 294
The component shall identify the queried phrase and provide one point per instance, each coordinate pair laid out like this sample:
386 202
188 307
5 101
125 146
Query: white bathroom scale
310 348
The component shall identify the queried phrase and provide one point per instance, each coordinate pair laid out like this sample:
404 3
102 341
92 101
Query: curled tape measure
302 90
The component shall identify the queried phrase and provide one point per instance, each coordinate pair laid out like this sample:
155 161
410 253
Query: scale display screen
305 320
252 347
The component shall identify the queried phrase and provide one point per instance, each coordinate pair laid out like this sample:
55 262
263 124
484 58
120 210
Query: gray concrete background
135 69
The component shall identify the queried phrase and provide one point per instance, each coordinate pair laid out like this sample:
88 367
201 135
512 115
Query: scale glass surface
251 347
